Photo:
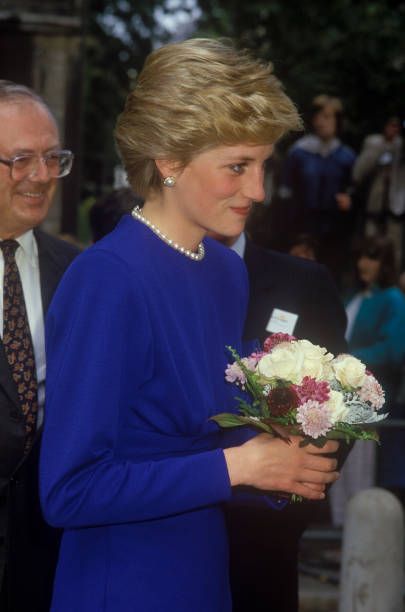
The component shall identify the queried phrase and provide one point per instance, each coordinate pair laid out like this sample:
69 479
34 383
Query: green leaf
227 419
295 499
318 442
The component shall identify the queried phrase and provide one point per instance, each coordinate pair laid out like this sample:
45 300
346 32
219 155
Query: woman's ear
167 168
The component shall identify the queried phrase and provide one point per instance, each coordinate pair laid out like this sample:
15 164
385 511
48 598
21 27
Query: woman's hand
273 464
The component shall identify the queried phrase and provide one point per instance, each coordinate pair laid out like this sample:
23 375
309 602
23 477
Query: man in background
379 176
31 265
295 296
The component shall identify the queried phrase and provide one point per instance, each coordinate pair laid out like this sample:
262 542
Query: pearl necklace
195 256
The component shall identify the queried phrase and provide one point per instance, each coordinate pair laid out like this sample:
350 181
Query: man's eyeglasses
58 164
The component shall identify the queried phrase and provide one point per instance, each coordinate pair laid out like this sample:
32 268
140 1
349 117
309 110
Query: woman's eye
237 168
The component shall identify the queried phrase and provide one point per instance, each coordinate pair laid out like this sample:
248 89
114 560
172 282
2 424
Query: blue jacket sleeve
94 348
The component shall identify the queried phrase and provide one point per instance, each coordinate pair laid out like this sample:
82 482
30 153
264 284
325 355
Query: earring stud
169 181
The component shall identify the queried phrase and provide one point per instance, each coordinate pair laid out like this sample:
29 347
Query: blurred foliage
119 34
353 49
350 48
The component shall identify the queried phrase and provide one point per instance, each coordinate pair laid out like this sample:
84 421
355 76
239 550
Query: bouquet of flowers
302 389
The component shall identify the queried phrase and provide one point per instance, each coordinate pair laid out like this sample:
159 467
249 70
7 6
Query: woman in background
376 335
132 468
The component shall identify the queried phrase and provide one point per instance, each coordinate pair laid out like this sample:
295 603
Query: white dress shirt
239 245
28 265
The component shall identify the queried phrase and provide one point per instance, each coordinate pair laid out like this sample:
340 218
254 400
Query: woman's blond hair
195 95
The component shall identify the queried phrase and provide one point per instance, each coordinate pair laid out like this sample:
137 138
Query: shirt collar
313 144
240 245
29 247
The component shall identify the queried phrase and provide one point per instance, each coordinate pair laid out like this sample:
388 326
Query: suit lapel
50 269
261 270
50 272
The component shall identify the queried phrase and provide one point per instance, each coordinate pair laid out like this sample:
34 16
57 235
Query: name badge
282 321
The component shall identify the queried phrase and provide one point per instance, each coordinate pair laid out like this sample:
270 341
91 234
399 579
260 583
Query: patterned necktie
17 340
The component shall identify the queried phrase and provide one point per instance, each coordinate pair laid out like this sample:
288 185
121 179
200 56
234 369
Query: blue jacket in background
378 336
378 339
313 174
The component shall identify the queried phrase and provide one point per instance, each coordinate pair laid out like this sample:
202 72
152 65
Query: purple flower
315 418
250 362
234 374
372 392
257 356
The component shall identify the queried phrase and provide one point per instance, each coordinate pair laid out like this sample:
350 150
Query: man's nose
40 171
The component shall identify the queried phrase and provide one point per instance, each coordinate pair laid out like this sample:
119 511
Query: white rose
338 409
284 361
349 371
317 360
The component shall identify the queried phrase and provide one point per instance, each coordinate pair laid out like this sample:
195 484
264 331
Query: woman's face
368 269
324 123
216 190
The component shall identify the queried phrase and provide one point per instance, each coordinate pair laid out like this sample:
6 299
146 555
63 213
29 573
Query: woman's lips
241 210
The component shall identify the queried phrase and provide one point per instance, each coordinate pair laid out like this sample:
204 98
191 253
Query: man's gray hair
13 92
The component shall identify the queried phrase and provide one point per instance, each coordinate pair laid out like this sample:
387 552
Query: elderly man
31 265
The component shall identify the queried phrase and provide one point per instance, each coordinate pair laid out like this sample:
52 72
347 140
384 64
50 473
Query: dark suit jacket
263 542
31 546
295 285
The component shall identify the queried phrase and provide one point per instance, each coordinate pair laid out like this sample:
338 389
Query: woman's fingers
314 486
319 463
318 477
304 490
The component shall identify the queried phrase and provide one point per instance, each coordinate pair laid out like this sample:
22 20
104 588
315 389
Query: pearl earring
169 181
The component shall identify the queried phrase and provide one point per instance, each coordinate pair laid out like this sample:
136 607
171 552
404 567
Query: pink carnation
257 356
315 418
371 391
275 339
234 374
250 362
311 389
